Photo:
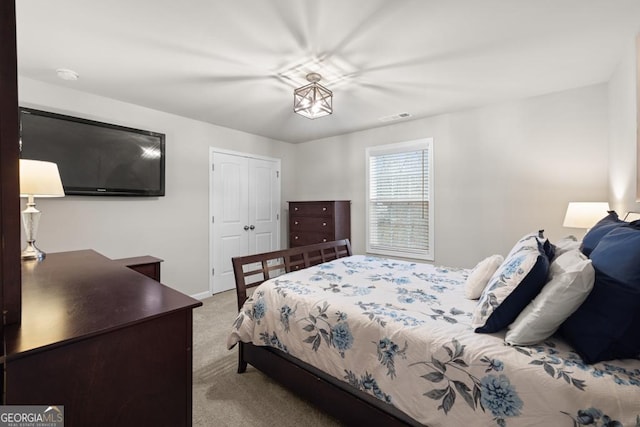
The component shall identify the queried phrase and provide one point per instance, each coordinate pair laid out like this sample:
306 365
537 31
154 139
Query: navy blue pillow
618 255
598 231
607 325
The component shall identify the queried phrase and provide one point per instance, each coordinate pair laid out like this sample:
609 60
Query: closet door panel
230 216
264 206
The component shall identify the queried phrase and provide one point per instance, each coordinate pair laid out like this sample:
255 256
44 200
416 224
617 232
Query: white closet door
245 205
230 203
264 203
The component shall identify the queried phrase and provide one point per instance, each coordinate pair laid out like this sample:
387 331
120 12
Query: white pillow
480 275
566 244
572 278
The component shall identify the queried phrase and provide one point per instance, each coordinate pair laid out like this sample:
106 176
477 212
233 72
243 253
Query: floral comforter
401 332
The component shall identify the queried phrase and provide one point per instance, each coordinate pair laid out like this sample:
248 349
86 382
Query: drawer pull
324 209
324 224
296 238
295 209
295 222
324 240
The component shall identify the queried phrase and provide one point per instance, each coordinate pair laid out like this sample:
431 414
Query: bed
388 342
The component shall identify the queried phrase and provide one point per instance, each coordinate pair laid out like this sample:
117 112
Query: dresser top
70 296
318 201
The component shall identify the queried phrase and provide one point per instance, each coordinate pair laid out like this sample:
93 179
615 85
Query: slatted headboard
252 270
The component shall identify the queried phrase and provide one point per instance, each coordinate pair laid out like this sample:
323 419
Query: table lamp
584 214
37 179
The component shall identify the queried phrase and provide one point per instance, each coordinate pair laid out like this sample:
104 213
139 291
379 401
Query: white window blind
399 211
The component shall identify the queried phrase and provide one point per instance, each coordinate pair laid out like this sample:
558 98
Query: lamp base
32 252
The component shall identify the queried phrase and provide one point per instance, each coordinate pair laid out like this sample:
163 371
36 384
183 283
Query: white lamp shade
40 179
585 214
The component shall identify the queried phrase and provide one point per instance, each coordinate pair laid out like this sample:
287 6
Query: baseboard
201 295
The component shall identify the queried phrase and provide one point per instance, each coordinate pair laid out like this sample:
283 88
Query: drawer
311 223
308 238
311 208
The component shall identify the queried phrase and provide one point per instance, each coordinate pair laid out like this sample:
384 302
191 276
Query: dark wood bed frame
333 396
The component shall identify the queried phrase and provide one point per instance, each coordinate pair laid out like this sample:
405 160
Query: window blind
399 202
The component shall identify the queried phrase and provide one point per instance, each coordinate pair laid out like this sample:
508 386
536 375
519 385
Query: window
399 199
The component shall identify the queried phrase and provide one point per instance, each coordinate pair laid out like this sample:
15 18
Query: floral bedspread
401 332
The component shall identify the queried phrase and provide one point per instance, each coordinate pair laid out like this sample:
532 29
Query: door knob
246 228
252 227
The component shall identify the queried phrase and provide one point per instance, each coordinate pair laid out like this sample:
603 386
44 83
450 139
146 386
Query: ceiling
236 63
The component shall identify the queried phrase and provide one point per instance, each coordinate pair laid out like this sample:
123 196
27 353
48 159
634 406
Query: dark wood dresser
320 221
147 265
110 344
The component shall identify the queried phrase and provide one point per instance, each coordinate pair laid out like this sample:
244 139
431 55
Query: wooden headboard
252 270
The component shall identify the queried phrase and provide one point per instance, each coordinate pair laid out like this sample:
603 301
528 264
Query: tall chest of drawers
317 222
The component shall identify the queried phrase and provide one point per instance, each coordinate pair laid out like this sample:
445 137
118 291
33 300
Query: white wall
174 227
622 136
500 171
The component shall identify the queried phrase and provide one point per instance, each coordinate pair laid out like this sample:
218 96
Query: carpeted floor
221 397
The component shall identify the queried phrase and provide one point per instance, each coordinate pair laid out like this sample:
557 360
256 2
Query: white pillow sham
514 284
480 275
566 244
572 278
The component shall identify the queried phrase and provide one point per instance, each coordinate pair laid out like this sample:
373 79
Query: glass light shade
584 214
313 100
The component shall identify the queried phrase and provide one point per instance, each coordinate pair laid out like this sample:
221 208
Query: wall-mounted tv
95 158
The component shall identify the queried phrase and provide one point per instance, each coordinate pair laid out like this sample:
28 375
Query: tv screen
95 158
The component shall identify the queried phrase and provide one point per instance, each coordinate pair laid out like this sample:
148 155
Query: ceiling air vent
395 117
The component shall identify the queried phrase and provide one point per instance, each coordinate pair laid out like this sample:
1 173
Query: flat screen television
95 158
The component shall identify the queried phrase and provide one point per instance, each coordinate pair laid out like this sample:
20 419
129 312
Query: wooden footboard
337 398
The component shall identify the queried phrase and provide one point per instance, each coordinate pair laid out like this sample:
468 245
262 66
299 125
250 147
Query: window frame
400 147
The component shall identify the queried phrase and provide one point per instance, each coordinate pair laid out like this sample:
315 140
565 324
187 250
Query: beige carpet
221 397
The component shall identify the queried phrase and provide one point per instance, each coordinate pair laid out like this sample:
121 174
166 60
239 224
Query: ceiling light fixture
313 100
